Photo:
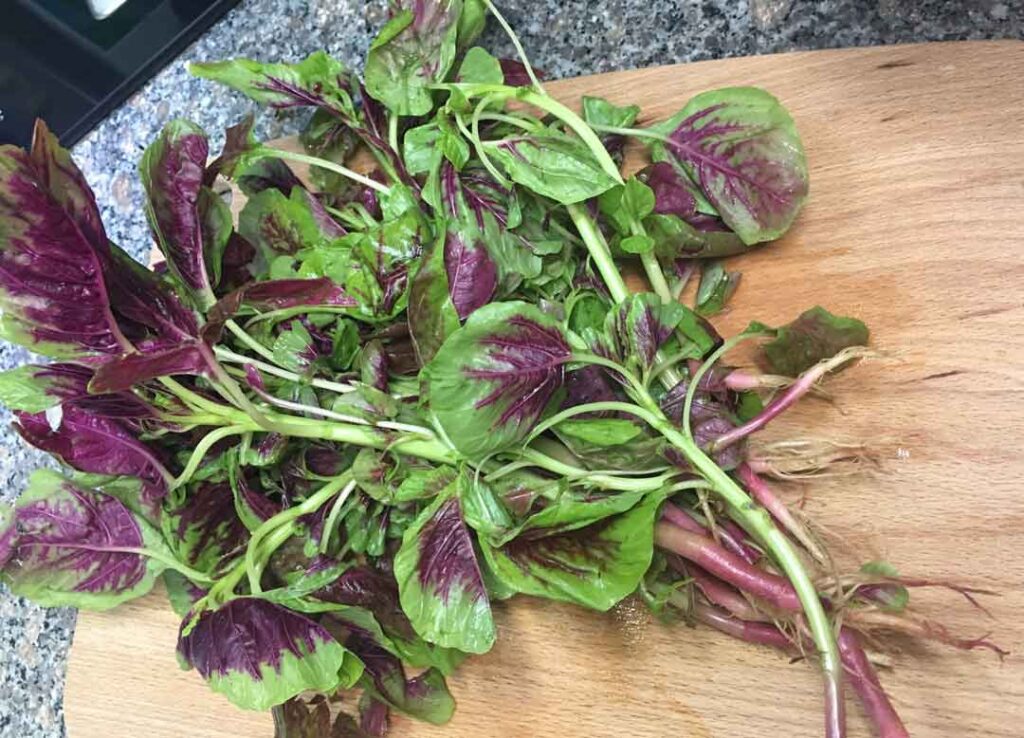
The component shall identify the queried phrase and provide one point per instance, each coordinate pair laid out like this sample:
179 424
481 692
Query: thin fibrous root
919 627
816 458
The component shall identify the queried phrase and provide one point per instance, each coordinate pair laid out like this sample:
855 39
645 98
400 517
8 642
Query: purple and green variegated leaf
67 545
258 654
741 147
496 377
432 314
7 533
52 257
641 324
703 237
373 365
816 335
317 81
716 287
172 170
120 375
594 566
95 444
472 273
203 527
252 505
439 580
328 137
242 161
425 697
515 74
275 294
278 225
415 50
33 388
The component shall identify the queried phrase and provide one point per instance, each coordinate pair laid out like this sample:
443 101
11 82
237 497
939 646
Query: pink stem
718 592
764 634
785 399
764 494
862 677
731 535
729 567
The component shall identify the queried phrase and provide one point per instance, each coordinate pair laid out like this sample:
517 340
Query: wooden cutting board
915 223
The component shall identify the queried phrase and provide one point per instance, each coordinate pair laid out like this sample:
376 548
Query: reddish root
862 677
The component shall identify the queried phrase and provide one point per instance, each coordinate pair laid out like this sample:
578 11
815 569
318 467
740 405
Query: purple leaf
425 697
494 378
120 375
172 170
816 335
52 256
205 531
740 146
34 388
373 363
252 174
99 445
67 545
297 719
515 73
672 195
259 654
147 310
472 274
587 384
373 717
439 580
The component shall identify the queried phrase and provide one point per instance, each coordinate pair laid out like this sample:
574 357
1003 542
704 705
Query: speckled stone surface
564 37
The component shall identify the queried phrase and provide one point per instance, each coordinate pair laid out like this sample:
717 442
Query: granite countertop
564 37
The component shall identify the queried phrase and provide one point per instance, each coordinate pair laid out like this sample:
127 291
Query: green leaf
29 389
439 582
479 66
600 112
674 238
495 377
181 593
424 484
716 287
552 164
432 314
816 335
893 597
277 225
420 148
601 431
216 225
595 565
483 510
294 349
637 244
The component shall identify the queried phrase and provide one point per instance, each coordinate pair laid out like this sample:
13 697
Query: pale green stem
333 515
202 448
255 564
248 340
656 277
330 166
517 44
228 355
393 132
590 407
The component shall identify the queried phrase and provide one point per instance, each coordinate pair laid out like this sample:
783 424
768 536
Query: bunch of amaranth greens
341 427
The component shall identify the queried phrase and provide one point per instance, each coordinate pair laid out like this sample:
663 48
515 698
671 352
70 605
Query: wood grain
916 224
